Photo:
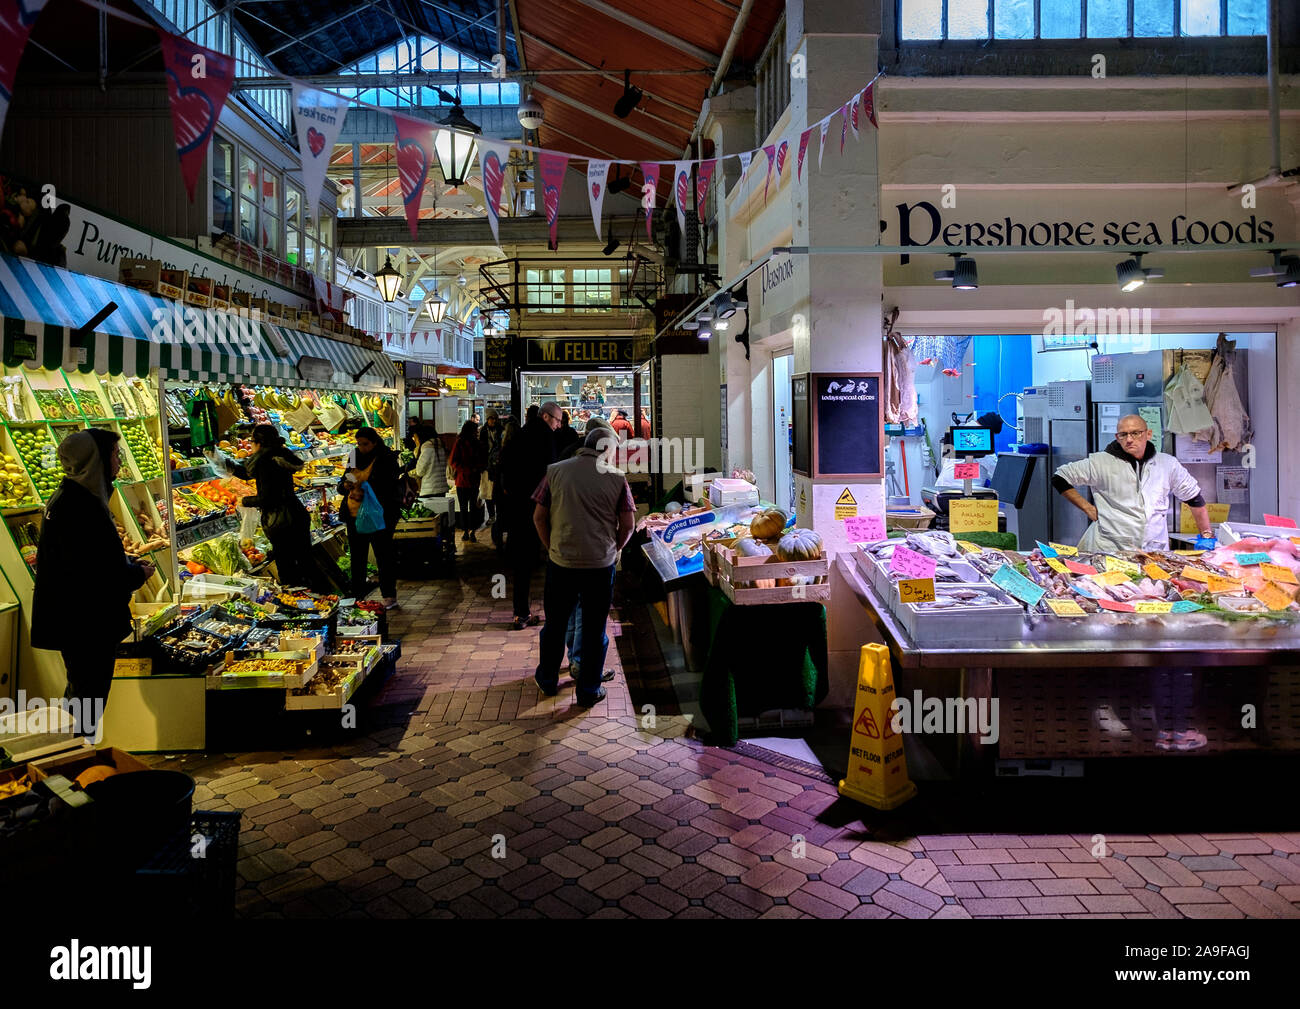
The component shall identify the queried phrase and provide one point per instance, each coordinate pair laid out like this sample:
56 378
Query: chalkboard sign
848 425
802 424
496 359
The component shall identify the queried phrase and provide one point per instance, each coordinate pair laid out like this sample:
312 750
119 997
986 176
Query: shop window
248 176
932 20
223 194
293 205
325 248
270 212
544 288
592 290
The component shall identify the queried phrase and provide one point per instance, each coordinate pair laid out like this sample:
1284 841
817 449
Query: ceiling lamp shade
963 275
530 113
1285 268
1131 276
630 99
456 150
436 309
461 280
389 280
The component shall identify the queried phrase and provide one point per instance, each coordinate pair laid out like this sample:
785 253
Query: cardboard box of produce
150 275
72 765
173 284
198 292
30 735
221 297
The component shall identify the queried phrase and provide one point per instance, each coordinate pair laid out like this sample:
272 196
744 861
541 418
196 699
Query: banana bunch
273 399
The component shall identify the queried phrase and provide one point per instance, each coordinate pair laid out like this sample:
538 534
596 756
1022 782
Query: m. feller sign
593 351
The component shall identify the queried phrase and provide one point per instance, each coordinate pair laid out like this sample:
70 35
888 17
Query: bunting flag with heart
492 159
318 117
853 118
703 176
551 168
821 144
745 158
414 156
869 103
597 178
682 190
804 137
649 193
198 84
770 153
17 18
782 153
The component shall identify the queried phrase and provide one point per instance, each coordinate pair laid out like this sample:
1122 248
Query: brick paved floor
471 795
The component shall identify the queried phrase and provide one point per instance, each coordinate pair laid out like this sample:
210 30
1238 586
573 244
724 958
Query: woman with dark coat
374 463
80 546
284 518
467 466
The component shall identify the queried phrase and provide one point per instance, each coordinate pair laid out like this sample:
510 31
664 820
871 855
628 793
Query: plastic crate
179 881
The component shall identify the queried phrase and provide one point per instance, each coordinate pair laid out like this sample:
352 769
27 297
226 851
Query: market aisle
601 817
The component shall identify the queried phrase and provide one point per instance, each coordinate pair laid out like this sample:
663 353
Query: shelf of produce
209 529
328 702
220 680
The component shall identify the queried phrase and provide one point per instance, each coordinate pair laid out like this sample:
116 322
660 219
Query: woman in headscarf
375 464
467 467
80 546
284 518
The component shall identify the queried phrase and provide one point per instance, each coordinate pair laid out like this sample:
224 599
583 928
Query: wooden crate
736 574
198 292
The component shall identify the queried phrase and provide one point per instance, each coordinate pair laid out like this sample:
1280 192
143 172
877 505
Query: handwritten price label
1080 569
912 564
1153 606
1280 521
1109 604
1008 578
1066 608
1255 558
916 590
1056 565
966 471
1277 573
1155 571
1219 584
1196 574
1274 597
970 515
1110 578
1117 564
864 528
1064 550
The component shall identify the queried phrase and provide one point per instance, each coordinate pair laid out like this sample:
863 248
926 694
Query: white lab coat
1131 501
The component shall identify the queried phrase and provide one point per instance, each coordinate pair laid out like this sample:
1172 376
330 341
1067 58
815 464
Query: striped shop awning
44 306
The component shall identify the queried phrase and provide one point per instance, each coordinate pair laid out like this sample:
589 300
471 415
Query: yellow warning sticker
846 506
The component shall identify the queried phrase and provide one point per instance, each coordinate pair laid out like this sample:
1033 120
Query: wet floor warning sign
846 507
877 772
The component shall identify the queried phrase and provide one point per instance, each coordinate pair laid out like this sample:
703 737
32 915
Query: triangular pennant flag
770 152
853 118
869 104
703 176
649 192
16 25
492 158
414 156
821 144
804 137
745 159
198 84
597 176
844 125
682 191
782 153
318 117
551 167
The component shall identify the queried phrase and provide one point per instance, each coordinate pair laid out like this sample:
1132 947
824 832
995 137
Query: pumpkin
767 524
748 547
799 545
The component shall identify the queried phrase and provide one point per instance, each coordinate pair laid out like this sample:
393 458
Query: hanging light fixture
456 146
1131 275
461 280
389 280
436 308
630 99
530 113
963 274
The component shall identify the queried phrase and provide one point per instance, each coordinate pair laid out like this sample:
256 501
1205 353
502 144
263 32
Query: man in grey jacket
1131 483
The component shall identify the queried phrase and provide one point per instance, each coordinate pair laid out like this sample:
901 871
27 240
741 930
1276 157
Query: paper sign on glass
1081 569
1155 571
1110 578
1278 573
1186 606
916 590
1278 520
1187 521
1044 549
1153 606
1255 558
1063 550
1008 578
911 564
1056 565
1066 608
1273 597
972 515
1110 604
865 528
966 471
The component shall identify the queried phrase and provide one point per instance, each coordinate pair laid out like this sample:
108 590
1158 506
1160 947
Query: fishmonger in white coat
1131 483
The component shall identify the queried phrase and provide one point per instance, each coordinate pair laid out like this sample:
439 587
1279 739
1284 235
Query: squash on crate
767 524
799 545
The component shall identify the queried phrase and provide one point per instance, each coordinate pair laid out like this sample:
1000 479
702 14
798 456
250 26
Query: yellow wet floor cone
877 768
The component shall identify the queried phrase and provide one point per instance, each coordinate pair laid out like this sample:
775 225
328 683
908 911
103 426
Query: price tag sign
969 547
1080 569
1255 558
865 528
1011 580
1274 597
1189 553
1278 573
1110 604
911 563
1056 565
1196 574
1045 550
916 590
1187 521
1110 578
1153 606
966 471
1066 608
1219 584
1155 571
1128 567
1186 606
972 515
1280 521
1064 550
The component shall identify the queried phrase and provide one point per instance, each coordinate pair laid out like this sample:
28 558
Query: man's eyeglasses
1125 435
